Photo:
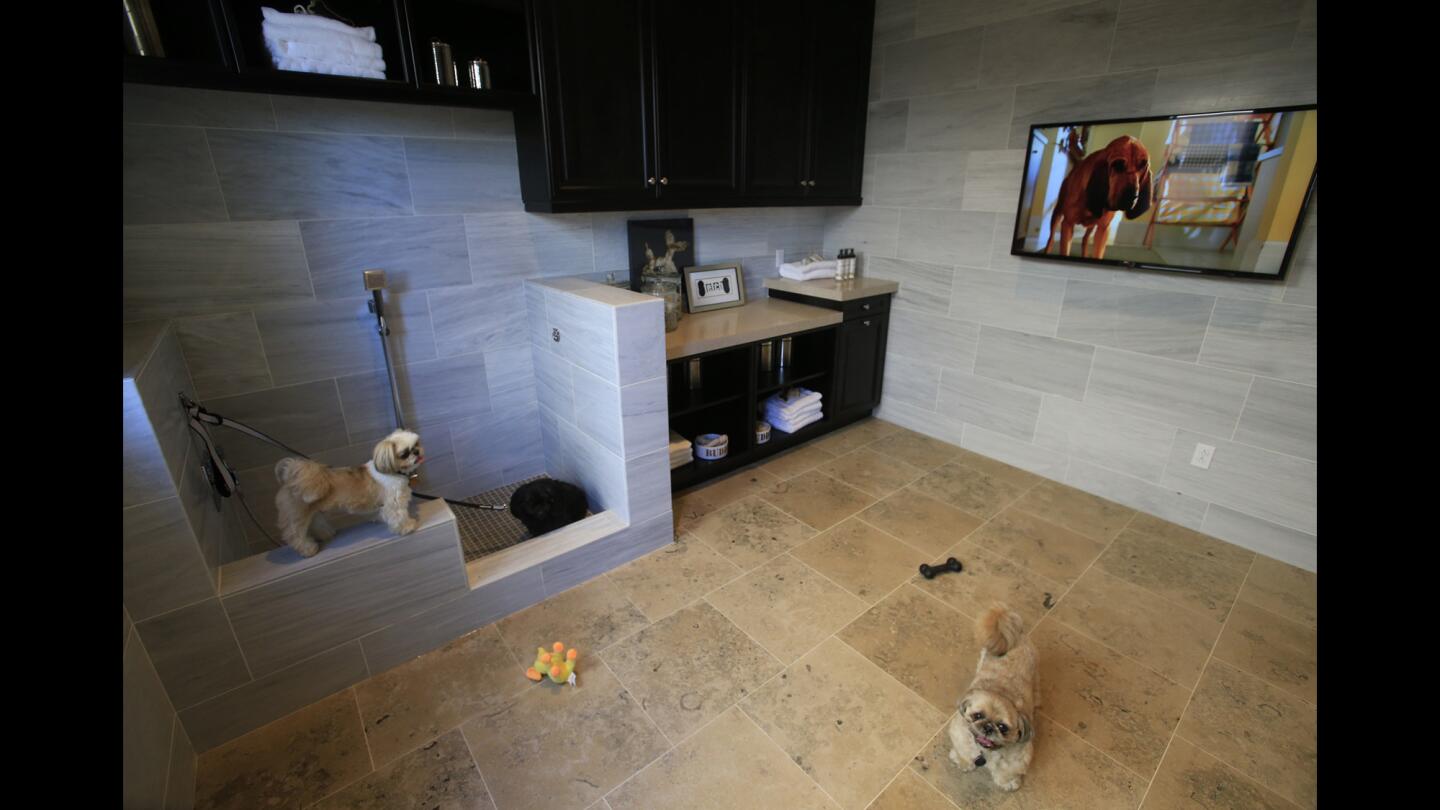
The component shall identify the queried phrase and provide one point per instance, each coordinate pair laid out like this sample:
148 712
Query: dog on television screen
309 488
1113 180
545 505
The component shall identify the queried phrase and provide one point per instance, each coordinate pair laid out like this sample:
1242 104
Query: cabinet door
776 98
592 71
839 97
696 70
862 362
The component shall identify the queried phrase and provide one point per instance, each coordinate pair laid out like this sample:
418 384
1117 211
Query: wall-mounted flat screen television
1221 193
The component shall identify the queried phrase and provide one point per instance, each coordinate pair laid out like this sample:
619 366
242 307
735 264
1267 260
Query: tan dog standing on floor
995 728
309 488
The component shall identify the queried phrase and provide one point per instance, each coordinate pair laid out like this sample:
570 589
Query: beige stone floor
785 653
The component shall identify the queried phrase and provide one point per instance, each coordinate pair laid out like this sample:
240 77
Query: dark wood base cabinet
844 362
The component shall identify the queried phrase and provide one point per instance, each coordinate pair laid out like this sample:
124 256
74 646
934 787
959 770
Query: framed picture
713 286
658 249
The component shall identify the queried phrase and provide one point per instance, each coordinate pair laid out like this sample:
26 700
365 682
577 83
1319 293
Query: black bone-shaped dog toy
929 571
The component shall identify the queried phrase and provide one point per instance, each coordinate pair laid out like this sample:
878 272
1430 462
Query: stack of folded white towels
309 43
809 268
793 408
680 453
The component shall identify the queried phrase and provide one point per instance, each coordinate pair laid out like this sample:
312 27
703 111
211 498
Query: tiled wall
158 760
249 218
1103 378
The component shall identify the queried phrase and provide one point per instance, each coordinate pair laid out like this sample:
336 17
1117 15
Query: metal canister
142 36
787 352
444 64
767 356
479 74
692 371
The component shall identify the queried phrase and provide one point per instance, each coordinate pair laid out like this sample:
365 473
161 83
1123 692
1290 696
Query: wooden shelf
771 381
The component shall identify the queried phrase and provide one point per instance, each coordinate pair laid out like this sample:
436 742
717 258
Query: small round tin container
762 432
711 446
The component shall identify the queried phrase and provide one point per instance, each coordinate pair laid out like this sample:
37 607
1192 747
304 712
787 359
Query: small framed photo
713 286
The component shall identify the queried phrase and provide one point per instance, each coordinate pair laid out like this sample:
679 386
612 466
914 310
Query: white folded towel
808 272
307 66
315 22
791 413
323 51
800 398
338 60
790 426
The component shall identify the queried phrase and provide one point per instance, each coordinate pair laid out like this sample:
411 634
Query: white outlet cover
1203 454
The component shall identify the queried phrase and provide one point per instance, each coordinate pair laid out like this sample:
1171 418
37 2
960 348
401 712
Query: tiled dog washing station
237 635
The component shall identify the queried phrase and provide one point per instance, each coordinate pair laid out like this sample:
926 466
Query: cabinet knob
867 323
650 181
812 183
664 181
803 183
865 307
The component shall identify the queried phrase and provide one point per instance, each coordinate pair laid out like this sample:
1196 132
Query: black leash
223 479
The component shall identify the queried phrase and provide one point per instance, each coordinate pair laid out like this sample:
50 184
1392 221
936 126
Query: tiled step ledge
260 569
534 552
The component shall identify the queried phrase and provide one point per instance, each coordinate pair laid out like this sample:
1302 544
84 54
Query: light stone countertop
830 289
757 320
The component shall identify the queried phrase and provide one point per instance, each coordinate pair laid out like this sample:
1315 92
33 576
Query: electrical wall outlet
1203 454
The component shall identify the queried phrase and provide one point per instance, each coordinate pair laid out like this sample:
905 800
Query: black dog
545 505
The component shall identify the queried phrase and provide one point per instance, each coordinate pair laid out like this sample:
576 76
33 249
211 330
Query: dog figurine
995 727
309 488
545 505
1114 179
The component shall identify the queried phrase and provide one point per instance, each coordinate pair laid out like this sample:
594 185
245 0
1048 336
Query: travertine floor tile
438 775
1078 511
817 499
666 580
786 606
989 578
860 558
1115 704
1283 590
1162 635
998 469
751 532
1261 730
1066 774
871 472
1038 544
921 521
916 449
701 501
563 746
855 436
1199 584
793 462
1202 545
689 667
412 704
1190 777
923 643
843 721
968 489
588 617
909 792
1278 650
729 765
291 762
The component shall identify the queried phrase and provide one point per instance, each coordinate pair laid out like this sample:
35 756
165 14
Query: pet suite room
622 404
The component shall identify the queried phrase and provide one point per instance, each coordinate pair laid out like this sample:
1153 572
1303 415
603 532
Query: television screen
1220 193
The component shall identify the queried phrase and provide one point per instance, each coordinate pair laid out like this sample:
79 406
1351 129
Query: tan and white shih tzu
995 727
309 488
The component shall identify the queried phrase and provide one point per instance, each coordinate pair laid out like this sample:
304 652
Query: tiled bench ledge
537 551
262 569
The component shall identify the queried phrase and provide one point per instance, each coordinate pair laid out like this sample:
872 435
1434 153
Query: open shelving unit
219 45
733 388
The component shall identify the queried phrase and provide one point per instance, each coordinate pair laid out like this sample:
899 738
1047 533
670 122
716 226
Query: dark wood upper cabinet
703 103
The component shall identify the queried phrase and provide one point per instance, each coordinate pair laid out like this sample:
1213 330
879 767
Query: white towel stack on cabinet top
311 44
793 408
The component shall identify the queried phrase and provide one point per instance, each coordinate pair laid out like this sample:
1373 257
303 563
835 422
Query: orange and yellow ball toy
557 662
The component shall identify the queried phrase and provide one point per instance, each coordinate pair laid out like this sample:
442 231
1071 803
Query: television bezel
1016 243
